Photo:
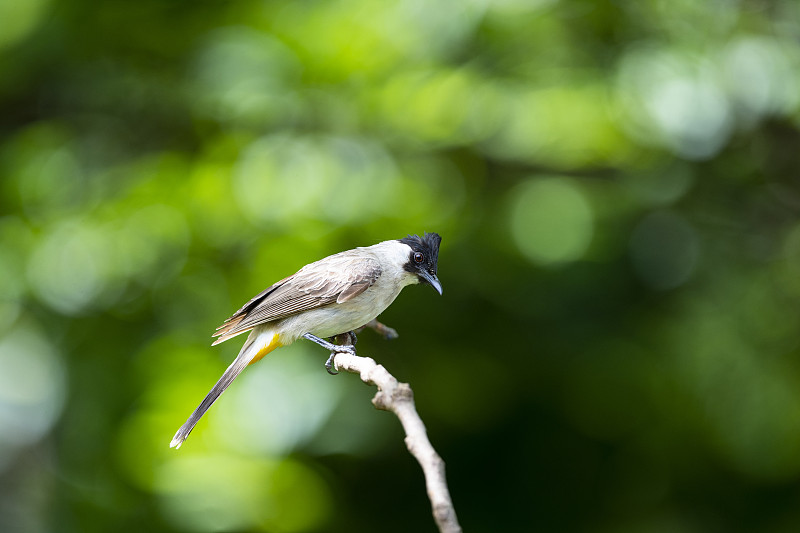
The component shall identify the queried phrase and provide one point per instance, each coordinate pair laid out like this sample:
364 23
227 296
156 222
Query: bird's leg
346 339
333 348
346 342
382 329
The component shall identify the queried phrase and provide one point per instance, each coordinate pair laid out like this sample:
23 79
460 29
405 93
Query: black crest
428 245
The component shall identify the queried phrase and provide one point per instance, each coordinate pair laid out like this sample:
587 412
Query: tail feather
256 347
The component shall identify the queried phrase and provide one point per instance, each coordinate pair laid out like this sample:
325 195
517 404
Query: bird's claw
330 364
344 347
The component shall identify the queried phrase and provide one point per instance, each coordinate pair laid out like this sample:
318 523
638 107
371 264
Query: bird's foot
330 364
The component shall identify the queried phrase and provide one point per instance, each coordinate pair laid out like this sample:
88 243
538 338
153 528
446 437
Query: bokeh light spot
760 77
338 180
207 493
245 76
551 221
300 400
19 19
674 100
69 269
152 243
693 115
32 387
214 492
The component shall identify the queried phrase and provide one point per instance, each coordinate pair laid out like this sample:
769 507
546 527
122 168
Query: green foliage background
617 348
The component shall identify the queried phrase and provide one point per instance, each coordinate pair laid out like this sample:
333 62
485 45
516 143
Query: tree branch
399 398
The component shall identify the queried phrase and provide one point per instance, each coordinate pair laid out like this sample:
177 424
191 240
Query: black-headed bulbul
329 297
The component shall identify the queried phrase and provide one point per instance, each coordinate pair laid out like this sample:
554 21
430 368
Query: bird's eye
418 257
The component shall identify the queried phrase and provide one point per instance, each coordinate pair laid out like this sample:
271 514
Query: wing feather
352 291
335 279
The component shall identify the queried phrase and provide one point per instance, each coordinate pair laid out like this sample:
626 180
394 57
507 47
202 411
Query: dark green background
617 185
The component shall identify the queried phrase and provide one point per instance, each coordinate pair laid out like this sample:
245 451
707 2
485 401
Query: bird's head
423 258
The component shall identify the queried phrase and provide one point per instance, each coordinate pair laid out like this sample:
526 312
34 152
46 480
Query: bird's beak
432 279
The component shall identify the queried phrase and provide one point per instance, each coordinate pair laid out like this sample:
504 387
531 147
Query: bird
330 297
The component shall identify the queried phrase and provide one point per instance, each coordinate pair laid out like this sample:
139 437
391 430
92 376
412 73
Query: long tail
257 346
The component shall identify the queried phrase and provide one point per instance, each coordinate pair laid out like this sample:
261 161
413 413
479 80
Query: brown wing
335 279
